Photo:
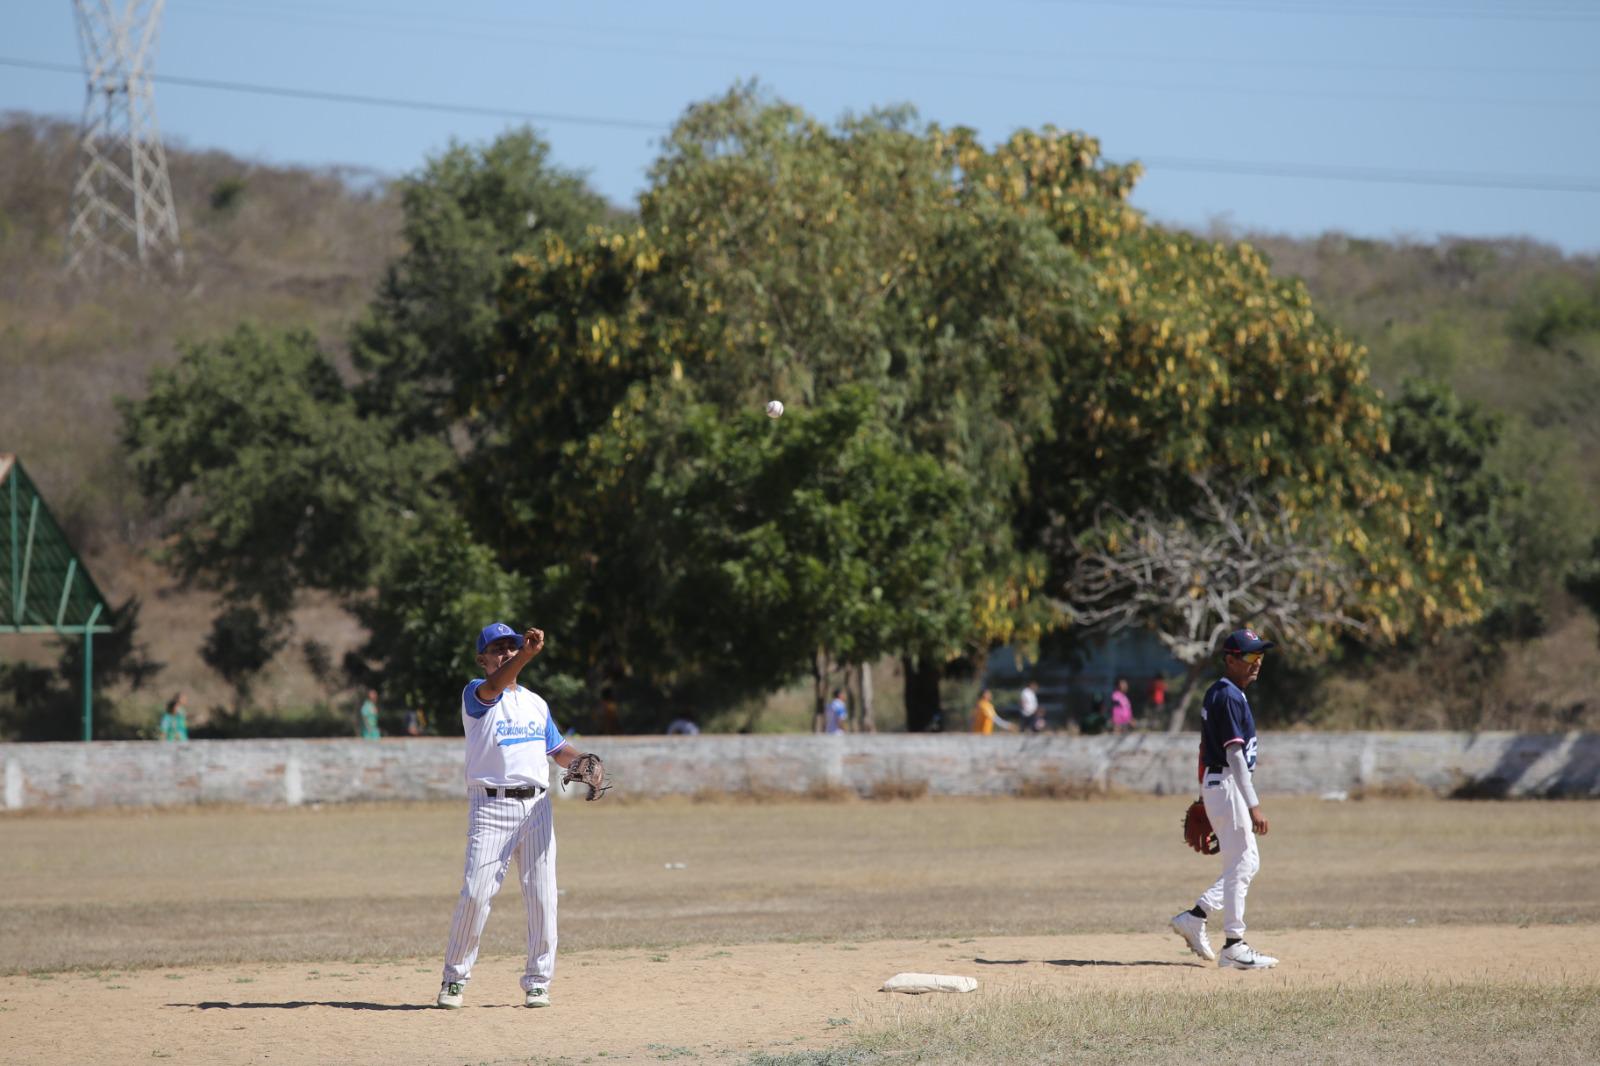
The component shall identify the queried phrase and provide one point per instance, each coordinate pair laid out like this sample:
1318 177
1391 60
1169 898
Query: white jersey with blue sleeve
510 740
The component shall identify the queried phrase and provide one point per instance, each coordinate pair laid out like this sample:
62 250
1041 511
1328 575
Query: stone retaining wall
291 772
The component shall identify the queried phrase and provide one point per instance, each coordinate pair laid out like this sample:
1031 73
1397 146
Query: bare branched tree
1193 579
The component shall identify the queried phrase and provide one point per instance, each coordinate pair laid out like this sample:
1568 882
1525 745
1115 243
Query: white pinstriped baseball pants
1230 820
499 828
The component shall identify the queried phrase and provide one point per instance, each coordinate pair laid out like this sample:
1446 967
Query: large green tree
280 474
1190 364
432 591
729 553
275 482
777 257
273 478
429 333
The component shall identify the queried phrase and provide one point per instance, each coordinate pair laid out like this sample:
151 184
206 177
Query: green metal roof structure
44 587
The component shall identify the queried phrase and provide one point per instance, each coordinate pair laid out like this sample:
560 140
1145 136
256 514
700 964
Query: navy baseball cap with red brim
1244 641
496 631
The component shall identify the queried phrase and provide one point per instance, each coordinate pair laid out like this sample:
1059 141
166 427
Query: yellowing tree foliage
1013 318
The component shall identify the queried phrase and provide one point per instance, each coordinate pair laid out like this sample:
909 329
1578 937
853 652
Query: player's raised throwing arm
501 676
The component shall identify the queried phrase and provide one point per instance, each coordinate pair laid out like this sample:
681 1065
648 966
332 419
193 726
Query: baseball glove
1197 830
587 769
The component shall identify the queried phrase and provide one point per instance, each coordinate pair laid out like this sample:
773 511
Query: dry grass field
758 932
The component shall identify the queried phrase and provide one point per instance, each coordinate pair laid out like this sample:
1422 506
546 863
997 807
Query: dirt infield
718 932
709 1004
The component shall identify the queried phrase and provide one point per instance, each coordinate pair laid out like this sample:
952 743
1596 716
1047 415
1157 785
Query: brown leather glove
1197 830
587 769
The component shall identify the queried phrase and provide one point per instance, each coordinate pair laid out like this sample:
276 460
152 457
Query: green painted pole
88 673
16 563
21 584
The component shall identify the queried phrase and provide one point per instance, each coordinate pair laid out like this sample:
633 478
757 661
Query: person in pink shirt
1121 707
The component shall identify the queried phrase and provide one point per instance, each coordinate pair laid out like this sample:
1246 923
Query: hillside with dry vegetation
274 245
1513 329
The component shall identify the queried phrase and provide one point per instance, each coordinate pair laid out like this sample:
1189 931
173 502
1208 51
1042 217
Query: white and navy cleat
1242 956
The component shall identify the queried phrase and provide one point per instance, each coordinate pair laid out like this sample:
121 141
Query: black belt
1216 769
516 793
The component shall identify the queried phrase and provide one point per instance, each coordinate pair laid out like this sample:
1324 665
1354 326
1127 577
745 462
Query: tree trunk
866 724
852 697
819 689
1187 695
922 693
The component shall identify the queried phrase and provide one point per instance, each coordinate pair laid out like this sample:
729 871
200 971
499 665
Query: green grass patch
1409 1021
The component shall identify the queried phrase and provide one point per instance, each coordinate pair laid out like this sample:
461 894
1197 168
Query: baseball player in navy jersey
1227 759
510 740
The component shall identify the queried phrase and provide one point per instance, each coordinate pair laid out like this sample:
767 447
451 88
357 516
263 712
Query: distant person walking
837 715
175 720
416 722
1094 719
1158 699
985 718
1028 707
369 716
1121 707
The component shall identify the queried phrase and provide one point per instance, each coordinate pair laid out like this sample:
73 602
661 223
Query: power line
1515 12
364 99
439 23
1379 175
1187 88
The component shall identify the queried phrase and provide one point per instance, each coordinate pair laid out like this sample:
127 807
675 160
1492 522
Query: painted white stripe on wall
13 784
294 790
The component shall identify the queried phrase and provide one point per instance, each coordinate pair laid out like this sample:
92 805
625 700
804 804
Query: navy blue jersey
1225 719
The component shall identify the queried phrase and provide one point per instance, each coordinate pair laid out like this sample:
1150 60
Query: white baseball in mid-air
774 408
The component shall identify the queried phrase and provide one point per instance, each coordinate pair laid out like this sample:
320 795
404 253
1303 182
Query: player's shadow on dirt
1077 962
342 1004
1111 962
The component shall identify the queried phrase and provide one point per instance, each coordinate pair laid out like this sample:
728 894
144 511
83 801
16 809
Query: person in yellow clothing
985 717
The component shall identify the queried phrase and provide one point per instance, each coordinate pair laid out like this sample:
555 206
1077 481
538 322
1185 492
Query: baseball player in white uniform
510 740
1227 759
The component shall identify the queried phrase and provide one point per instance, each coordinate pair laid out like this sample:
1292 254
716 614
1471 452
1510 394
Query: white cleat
537 997
450 996
1193 931
1244 957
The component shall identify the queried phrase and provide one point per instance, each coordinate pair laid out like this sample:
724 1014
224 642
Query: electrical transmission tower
122 208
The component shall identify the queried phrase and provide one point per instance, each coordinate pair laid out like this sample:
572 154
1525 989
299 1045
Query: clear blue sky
1467 90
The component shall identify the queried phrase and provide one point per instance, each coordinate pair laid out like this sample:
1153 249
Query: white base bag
918 983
